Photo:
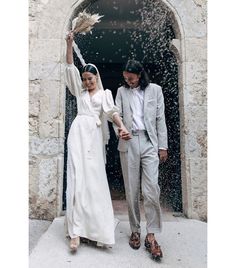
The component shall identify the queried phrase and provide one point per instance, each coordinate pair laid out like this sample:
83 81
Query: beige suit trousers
140 165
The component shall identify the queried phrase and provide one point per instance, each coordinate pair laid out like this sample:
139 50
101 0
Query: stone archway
49 21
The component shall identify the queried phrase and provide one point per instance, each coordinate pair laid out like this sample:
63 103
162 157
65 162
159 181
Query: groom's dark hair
134 66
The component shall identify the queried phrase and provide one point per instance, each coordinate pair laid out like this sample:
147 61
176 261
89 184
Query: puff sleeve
73 80
108 105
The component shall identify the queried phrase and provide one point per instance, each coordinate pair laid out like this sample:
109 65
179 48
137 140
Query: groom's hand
163 155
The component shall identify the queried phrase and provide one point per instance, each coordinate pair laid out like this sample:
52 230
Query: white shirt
138 109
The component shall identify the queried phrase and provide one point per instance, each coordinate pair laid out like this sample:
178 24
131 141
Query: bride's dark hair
134 66
89 68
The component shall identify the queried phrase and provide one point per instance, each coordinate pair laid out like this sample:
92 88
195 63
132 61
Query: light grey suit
141 154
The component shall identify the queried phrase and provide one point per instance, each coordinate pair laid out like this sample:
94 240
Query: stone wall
46 107
193 105
48 20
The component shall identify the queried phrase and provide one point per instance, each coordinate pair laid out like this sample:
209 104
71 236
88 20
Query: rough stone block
44 50
51 26
49 146
49 99
193 17
199 186
200 3
44 71
33 126
48 179
50 128
34 94
60 174
195 95
196 131
196 73
42 209
45 175
196 49
50 116
33 175
186 186
35 7
33 29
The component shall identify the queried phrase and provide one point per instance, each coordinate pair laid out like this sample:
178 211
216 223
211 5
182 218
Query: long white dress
89 208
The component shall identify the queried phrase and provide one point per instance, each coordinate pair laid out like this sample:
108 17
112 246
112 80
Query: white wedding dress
89 211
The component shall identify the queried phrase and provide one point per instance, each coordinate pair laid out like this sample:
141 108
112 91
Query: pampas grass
84 22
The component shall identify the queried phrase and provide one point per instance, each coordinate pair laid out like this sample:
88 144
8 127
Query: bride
89 211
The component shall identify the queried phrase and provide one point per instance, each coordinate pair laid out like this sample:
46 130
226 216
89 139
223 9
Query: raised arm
69 48
72 75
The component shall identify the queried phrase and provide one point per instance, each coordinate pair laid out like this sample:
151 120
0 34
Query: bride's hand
70 38
124 133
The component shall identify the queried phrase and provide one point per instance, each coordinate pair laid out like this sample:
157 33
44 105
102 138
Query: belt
139 132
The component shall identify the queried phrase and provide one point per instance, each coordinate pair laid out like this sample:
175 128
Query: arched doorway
140 30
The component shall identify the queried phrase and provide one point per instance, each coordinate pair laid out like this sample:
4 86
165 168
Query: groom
141 106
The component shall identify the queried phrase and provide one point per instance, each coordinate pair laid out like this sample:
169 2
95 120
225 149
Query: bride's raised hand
70 38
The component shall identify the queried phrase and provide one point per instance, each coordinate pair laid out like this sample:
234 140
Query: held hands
163 155
123 133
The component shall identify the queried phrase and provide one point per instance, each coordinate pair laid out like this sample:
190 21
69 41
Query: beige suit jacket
154 115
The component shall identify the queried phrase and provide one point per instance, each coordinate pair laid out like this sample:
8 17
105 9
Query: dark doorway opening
115 40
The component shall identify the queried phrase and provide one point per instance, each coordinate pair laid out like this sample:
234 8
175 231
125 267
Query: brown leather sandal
154 248
134 240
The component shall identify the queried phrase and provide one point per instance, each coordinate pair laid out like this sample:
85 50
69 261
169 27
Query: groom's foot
134 240
153 247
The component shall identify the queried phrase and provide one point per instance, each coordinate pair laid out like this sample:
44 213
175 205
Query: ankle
75 241
150 236
75 238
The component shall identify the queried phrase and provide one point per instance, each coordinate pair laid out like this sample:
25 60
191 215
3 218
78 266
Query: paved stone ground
184 243
36 229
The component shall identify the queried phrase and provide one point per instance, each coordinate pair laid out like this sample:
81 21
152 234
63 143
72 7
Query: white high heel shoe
74 243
